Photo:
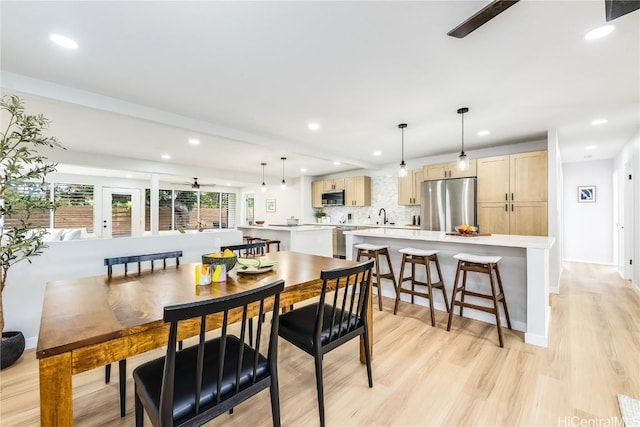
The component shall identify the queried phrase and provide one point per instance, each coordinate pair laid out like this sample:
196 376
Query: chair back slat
249 249
125 260
344 317
252 371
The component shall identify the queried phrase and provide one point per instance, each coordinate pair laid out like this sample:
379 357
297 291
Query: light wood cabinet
357 191
334 184
409 188
448 170
512 194
317 187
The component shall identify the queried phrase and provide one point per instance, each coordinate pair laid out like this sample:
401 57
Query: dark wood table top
92 310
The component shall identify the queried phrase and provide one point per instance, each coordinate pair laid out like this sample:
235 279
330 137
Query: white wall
630 155
288 202
554 209
587 233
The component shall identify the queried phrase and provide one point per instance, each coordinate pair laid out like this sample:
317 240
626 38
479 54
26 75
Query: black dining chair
335 319
196 384
247 249
126 260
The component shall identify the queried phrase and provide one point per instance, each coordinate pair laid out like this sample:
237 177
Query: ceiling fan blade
481 17
616 8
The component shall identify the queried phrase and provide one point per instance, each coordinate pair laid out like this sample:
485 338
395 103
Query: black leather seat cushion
297 326
150 374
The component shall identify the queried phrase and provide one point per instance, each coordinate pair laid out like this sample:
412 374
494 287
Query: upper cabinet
334 184
357 191
448 170
512 194
317 187
409 188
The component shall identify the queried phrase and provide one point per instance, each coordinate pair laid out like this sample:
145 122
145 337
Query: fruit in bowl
227 258
466 229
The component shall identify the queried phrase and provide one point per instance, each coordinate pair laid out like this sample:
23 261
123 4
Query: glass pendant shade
283 185
402 172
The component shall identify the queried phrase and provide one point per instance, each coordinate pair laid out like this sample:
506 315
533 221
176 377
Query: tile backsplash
384 194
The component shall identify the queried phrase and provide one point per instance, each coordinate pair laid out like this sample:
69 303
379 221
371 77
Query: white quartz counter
524 267
291 228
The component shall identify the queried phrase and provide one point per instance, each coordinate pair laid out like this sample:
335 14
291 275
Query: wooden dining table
90 322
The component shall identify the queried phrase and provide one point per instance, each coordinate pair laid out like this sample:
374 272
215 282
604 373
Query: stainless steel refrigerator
448 203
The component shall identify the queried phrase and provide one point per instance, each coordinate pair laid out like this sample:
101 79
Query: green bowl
230 262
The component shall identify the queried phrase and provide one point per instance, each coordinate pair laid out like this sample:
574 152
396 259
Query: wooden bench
110 262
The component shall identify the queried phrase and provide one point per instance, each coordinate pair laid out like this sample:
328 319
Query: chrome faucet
385 220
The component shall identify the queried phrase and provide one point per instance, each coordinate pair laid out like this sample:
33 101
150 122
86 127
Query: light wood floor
424 375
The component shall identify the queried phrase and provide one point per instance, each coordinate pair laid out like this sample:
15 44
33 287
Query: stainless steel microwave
333 198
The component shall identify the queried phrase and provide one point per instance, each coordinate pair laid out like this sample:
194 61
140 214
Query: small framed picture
271 205
587 193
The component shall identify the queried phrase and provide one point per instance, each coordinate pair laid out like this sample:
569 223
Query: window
183 209
29 193
74 206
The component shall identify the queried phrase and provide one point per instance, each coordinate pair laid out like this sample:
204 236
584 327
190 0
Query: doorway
249 212
121 213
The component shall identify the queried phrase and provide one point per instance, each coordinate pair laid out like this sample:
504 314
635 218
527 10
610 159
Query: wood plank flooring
423 375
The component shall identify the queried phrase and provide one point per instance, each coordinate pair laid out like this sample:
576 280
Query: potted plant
319 214
22 166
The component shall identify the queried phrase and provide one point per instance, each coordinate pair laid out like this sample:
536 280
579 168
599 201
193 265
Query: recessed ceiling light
63 41
166 156
313 126
303 170
599 32
194 141
336 163
377 153
599 122
483 133
228 184
590 147
129 176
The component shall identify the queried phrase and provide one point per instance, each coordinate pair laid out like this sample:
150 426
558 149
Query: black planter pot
11 348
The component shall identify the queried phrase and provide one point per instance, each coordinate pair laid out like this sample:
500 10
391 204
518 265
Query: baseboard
589 262
635 287
30 343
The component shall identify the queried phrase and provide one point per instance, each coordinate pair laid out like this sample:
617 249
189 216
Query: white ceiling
246 78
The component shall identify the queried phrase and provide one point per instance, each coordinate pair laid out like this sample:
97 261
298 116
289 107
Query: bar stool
269 242
421 257
486 265
367 250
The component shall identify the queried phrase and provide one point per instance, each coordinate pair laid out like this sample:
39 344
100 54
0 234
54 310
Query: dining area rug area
630 410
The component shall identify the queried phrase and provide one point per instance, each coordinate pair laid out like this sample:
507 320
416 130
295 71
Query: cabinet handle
511 196
511 208
506 196
506 207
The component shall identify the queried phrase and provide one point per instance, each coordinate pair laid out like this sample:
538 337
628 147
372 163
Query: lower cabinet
522 218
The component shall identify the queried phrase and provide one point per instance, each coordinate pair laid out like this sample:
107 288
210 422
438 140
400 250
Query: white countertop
514 241
402 227
288 229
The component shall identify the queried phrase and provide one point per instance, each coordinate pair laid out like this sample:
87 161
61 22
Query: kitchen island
307 239
524 269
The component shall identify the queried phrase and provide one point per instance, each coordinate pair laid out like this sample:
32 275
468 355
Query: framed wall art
586 193
271 205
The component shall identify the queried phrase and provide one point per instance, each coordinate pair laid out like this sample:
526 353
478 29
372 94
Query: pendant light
463 161
263 187
283 185
402 172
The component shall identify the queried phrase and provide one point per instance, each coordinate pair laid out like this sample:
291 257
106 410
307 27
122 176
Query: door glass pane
121 215
249 200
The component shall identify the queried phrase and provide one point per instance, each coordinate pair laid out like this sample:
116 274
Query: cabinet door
432 172
316 193
528 218
357 191
493 179
493 218
334 184
405 189
418 177
529 177
454 172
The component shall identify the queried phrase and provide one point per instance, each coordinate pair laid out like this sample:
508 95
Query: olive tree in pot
21 165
